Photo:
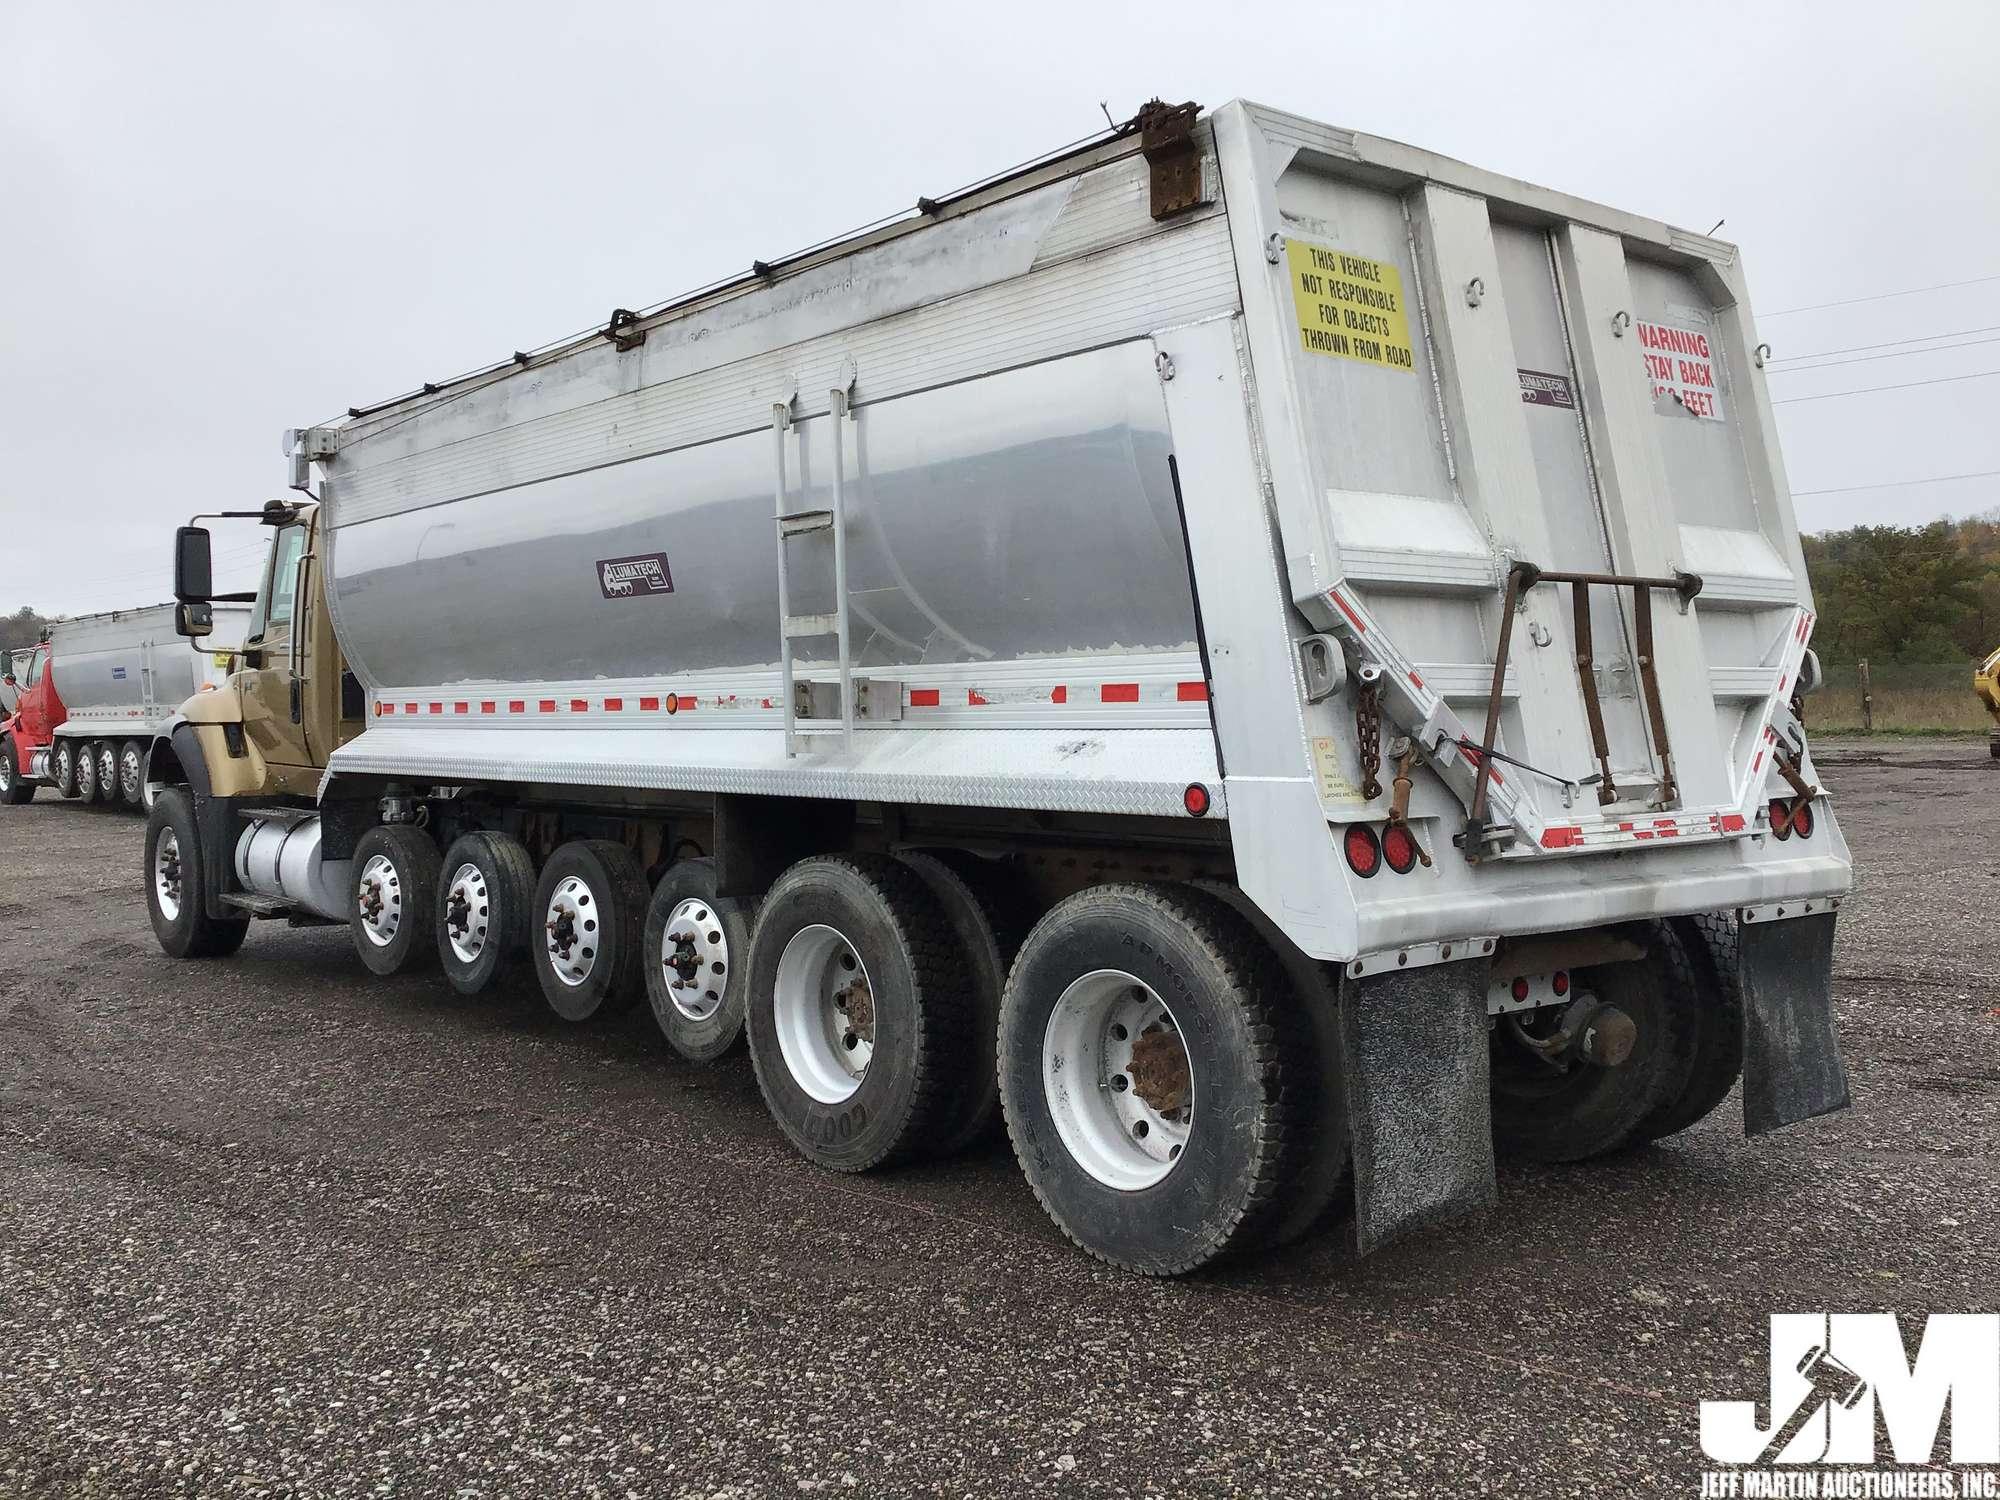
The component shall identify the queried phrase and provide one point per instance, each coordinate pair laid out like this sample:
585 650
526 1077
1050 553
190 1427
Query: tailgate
1532 436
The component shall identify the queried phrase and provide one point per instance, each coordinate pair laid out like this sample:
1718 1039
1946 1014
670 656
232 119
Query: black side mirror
194 620
194 575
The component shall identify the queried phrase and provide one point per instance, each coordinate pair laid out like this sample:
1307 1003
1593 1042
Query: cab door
275 707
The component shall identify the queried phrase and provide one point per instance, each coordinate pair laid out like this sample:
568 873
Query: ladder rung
798 627
817 726
800 522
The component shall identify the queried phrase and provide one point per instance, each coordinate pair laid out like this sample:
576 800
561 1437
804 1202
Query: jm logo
1834 1375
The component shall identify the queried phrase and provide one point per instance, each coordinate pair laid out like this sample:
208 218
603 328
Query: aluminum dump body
1235 491
126 671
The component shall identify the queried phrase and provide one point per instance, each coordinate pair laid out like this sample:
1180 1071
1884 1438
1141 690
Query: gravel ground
270 1226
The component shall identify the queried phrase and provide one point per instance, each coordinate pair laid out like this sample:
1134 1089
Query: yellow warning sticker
1350 306
1333 783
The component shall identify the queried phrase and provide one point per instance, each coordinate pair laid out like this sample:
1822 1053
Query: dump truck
1265 659
89 698
1986 684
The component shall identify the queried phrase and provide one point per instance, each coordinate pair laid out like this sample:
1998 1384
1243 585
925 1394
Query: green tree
21 628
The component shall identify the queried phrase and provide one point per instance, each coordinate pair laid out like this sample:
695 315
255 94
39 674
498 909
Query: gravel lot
270 1226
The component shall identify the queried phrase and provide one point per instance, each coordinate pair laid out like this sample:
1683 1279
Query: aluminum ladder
794 525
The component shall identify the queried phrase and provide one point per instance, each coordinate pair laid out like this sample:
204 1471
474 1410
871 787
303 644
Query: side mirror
194 575
194 620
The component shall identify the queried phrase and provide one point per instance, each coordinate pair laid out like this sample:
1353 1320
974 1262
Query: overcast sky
219 221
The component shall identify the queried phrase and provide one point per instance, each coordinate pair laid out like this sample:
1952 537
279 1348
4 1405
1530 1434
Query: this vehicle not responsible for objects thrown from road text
1245 646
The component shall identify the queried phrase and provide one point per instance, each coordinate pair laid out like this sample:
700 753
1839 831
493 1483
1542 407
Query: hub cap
381 900
825 1011
167 875
128 774
6 774
107 770
571 927
694 954
1118 1080
65 764
465 913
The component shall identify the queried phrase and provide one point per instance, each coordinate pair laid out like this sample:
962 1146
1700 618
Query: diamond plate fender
1791 1054
1418 1092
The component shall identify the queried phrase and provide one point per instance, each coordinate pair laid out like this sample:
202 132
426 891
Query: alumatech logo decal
633 577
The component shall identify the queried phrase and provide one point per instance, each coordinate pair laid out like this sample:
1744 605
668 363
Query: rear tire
696 954
62 762
482 914
857 1020
988 938
176 889
15 788
105 752
1580 1111
132 774
1708 948
1144 1077
87 788
390 902
587 923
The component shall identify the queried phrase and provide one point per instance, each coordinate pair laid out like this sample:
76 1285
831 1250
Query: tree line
1907 593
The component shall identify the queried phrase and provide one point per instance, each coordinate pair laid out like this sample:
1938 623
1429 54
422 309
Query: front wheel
175 890
14 787
1145 1079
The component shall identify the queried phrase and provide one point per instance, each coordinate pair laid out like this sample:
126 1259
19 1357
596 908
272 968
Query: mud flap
1791 1056
1418 1097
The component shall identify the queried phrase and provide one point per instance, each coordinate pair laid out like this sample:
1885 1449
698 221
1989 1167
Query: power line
1869 390
1870 358
1898 484
1951 333
1880 296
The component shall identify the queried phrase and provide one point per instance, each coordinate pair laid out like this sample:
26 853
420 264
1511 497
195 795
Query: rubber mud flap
1791 1055
1418 1096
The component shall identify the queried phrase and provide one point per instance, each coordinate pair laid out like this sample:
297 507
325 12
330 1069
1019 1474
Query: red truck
85 701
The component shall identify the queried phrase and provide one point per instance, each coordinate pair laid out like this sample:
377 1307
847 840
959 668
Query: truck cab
31 713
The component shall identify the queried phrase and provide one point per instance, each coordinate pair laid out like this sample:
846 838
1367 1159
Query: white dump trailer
1292 643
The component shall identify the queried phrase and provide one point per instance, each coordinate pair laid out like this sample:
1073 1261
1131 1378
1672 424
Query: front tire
857 1020
589 912
697 961
390 902
1144 1079
15 788
176 889
132 774
483 913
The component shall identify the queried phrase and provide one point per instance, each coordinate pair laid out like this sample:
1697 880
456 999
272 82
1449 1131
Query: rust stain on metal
1159 1070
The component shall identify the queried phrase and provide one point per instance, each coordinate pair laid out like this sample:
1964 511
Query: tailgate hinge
1166 136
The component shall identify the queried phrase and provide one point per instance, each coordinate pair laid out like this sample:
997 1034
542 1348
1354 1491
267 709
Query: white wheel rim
467 908
825 1012
1118 1080
570 930
128 774
107 771
65 764
694 958
6 774
381 889
167 875
86 775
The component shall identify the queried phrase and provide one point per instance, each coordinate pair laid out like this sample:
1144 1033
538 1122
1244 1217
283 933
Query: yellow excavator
1986 683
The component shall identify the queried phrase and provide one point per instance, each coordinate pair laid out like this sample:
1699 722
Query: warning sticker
1333 783
1350 306
1681 366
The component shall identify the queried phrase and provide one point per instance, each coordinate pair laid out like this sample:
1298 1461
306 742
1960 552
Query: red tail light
1520 988
1195 799
1781 818
1399 848
1802 820
1364 854
1560 984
